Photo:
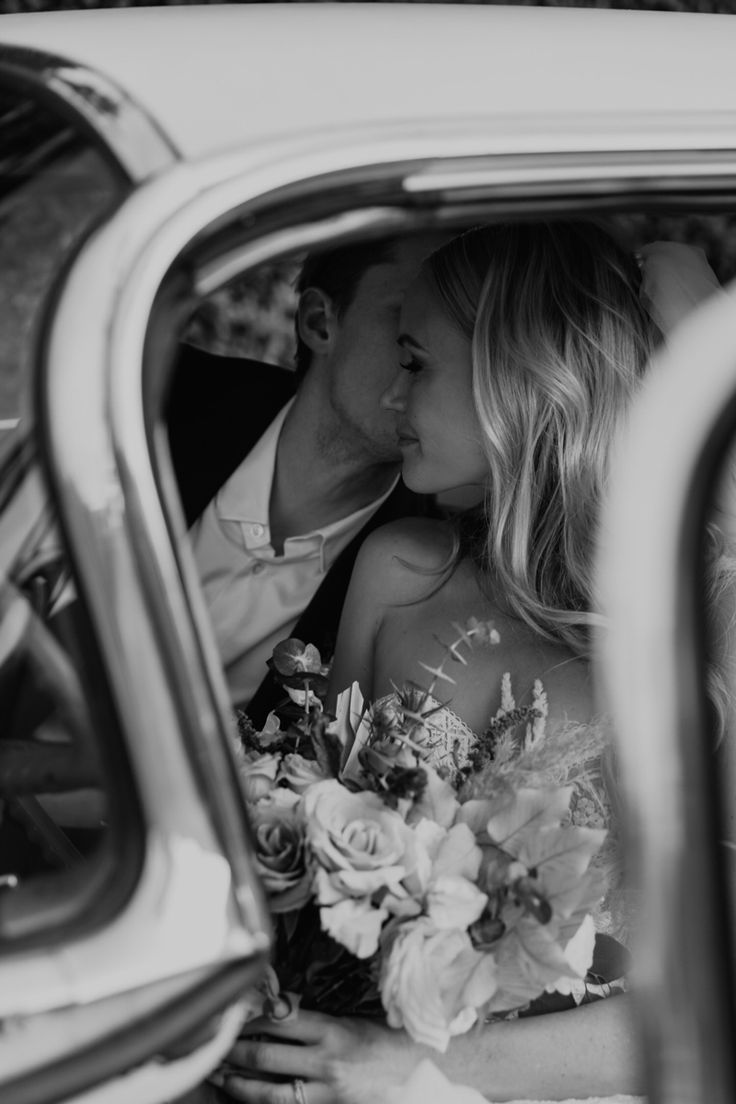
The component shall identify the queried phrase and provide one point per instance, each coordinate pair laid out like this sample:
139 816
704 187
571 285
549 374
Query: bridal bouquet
434 890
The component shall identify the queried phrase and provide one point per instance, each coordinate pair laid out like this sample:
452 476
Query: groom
282 474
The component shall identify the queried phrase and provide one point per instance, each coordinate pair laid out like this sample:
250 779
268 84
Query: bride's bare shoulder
404 553
567 680
426 542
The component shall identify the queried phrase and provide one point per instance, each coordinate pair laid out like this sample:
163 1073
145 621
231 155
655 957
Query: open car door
671 476
131 919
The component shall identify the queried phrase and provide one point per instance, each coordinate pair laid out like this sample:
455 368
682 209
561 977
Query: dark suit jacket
217 410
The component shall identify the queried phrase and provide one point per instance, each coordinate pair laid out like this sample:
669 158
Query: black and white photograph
368 552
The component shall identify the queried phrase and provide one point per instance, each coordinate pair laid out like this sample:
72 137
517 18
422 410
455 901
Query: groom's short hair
337 272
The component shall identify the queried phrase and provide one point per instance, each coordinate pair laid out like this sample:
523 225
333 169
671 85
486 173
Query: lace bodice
573 755
446 741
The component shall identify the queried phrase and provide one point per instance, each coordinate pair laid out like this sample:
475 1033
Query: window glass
252 317
55 806
53 187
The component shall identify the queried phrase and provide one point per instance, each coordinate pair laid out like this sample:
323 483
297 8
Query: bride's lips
405 438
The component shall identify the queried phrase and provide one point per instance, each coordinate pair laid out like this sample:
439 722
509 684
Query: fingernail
281 1009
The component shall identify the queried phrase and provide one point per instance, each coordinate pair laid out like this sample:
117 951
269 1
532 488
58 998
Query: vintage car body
201 142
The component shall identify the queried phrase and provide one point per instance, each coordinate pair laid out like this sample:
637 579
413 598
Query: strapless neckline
441 739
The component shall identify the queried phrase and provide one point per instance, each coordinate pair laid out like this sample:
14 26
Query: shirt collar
245 498
247 493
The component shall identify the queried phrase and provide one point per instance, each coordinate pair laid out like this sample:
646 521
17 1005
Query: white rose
300 773
360 843
258 773
280 859
432 982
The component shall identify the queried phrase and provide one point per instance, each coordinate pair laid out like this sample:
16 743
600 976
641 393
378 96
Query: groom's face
364 355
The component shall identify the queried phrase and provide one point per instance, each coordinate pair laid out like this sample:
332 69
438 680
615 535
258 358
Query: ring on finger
300 1095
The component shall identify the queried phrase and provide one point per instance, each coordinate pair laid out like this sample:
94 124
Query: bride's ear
316 320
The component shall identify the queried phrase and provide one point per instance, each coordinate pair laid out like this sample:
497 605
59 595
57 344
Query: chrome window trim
126 131
136 1071
647 172
169 1080
107 491
506 182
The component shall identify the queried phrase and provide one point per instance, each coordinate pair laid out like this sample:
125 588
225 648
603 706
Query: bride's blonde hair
559 344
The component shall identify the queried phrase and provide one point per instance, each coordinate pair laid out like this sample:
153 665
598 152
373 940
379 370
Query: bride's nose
394 397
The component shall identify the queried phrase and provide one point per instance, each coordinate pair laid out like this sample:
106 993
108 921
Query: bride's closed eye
411 365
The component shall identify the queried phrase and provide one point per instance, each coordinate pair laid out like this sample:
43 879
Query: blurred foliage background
723 6
254 316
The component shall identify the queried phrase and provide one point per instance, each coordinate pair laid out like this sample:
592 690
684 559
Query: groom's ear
316 320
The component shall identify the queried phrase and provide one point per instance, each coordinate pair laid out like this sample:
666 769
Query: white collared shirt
255 597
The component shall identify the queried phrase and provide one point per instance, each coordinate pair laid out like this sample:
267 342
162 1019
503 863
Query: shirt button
257 530
258 568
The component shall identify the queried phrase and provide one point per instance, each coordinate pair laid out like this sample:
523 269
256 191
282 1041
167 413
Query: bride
520 349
